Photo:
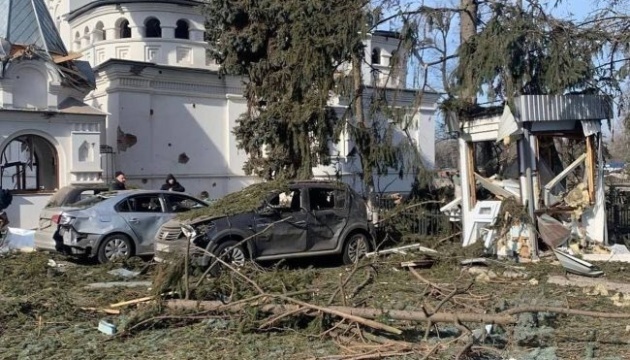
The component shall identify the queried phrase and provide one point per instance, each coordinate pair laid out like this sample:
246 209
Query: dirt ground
44 311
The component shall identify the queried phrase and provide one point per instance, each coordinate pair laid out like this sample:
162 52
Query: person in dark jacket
171 184
119 181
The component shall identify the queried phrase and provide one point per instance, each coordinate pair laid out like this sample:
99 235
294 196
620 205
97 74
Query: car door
144 213
328 216
286 226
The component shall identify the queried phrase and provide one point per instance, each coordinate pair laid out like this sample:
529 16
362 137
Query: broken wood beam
397 250
502 318
103 310
590 167
368 313
132 302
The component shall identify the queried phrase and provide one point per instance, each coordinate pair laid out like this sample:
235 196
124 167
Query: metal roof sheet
533 108
28 22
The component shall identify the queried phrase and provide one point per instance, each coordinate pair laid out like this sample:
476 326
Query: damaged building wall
163 120
157 88
49 138
540 116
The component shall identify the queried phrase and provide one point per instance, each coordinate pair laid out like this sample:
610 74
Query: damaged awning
27 31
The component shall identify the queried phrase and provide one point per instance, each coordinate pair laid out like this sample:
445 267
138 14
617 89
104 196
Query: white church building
155 103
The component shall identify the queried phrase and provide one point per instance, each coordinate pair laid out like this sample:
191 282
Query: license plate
162 247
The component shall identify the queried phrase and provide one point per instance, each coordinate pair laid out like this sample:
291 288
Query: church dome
28 23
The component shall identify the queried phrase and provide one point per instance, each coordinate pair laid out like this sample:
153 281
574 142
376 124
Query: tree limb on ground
502 318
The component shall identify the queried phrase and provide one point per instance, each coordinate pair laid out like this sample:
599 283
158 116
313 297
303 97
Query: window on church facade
124 31
376 56
152 28
181 30
99 32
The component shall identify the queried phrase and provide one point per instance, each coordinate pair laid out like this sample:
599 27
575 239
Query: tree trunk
363 136
502 318
468 29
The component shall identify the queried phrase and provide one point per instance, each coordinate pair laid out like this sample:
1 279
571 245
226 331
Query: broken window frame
20 186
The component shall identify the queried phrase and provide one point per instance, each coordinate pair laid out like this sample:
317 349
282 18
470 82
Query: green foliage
289 52
527 52
245 200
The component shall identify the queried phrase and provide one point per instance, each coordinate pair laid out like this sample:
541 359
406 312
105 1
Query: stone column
168 32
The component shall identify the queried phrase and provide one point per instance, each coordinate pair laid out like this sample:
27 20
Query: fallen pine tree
506 317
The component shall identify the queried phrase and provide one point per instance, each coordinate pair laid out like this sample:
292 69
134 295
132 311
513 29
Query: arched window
77 40
181 30
86 31
124 31
152 28
376 56
29 162
99 32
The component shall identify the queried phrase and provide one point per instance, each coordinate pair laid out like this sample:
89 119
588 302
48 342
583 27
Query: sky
577 10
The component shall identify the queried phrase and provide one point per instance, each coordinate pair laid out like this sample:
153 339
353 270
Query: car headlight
65 219
189 231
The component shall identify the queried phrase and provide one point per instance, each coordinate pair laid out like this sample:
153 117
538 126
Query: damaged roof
28 22
78 107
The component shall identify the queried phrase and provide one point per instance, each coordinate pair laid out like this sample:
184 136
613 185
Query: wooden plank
495 189
472 183
132 302
590 167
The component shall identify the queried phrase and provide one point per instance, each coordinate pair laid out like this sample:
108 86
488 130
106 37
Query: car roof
114 196
327 183
121 193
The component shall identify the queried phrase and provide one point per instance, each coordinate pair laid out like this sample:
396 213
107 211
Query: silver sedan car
117 225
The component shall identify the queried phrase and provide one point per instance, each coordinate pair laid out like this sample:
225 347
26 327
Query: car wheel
230 253
355 248
114 248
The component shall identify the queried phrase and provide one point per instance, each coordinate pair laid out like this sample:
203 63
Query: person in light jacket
171 184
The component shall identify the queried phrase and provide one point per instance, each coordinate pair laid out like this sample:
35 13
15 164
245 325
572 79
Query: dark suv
306 218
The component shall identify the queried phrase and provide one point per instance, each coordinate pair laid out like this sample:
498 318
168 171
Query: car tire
236 257
355 247
114 247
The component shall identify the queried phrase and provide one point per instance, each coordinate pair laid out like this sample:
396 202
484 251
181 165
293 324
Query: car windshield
59 197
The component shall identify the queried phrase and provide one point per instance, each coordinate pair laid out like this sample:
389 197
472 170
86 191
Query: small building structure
49 137
556 209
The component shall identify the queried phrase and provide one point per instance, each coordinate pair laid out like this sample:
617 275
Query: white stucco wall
384 76
83 34
65 132
170 112
421 111
173 112
24 210
30 93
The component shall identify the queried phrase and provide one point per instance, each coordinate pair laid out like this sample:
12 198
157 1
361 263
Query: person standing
119 181
171 184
